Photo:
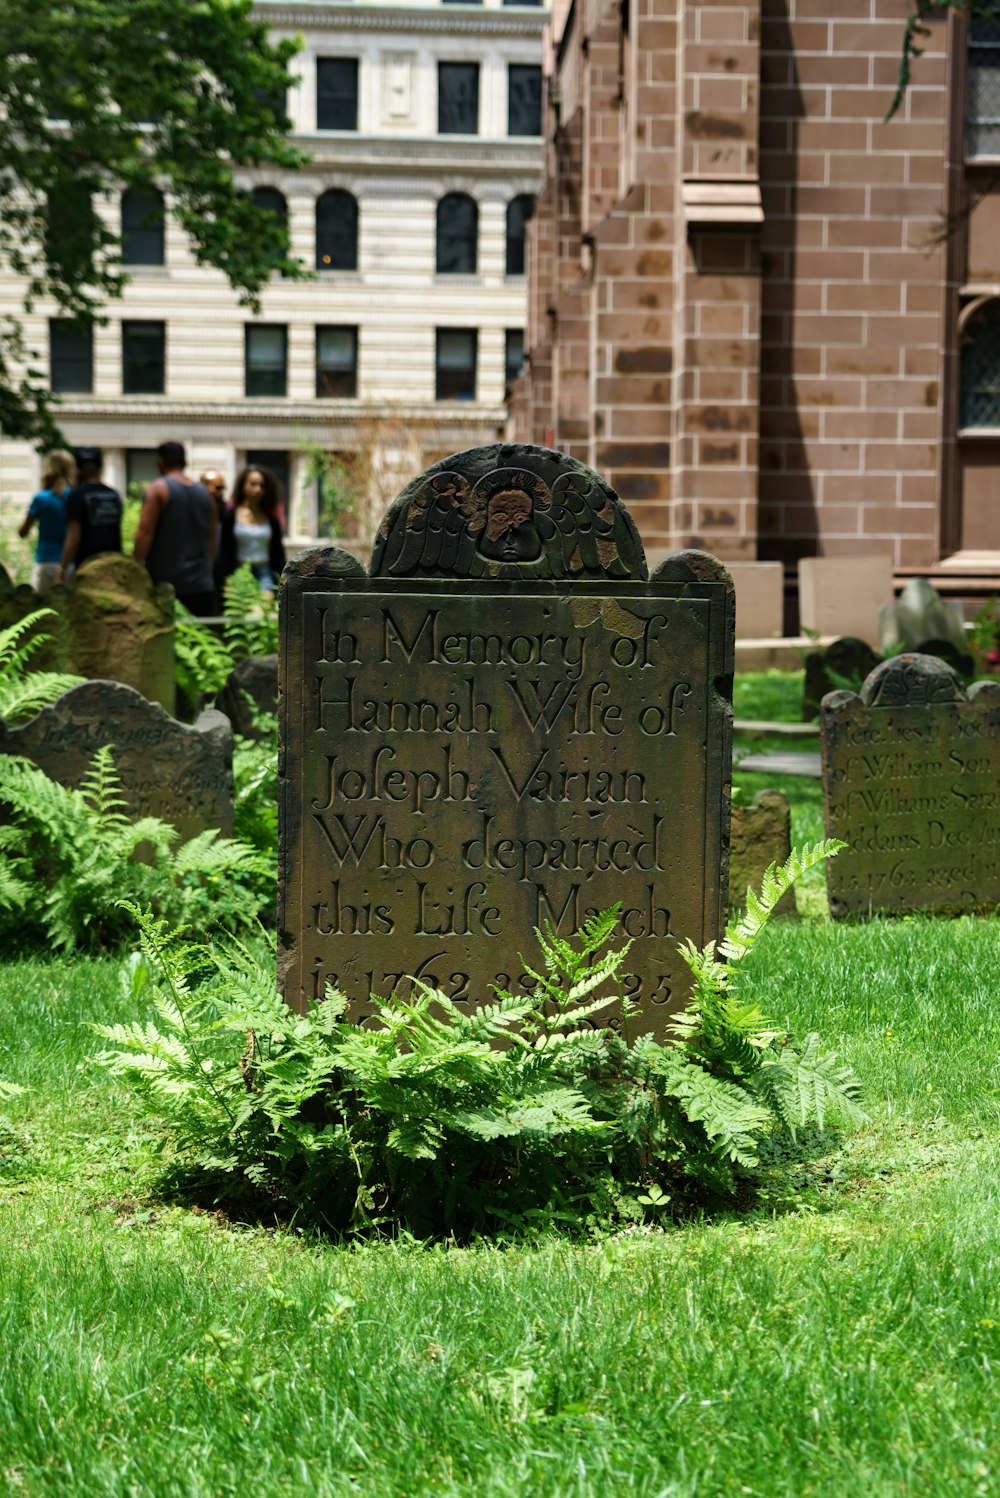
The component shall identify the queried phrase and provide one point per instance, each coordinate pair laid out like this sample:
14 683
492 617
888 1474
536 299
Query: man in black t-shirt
93 512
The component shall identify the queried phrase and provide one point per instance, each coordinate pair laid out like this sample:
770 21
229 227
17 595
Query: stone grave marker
760 599
911 781
505 723
920 614
257 679
842 595
121 627
849 659
761 835
172 770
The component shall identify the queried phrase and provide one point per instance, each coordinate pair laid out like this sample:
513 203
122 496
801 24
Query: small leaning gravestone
505 723
121 627
911 782
171 770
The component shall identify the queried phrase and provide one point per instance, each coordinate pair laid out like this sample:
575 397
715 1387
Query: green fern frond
742 934
806 1082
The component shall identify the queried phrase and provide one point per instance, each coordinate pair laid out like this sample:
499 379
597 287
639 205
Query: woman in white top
251 533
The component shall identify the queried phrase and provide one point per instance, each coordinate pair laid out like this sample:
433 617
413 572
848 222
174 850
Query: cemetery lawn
840 1336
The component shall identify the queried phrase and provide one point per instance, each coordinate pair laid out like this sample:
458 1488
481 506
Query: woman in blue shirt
49 508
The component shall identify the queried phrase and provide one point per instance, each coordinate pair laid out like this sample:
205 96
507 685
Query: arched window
519 210
142 226
336 231
271 199
457 234
980 352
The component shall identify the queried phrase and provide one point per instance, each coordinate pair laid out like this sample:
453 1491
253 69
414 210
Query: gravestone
761 835
504 724
848 659
946 650
760 599
842 595
121 627
255 679
911 781
920 614
171 770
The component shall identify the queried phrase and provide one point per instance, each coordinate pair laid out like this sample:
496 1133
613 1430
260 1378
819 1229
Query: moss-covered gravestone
761 834
844 663
121 627
505 723
176 771
911 782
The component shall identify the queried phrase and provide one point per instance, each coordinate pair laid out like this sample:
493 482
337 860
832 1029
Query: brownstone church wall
738 310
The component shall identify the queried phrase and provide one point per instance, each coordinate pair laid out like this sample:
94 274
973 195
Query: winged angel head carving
509 512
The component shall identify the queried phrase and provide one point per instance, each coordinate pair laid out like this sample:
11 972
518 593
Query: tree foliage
97 95
917 30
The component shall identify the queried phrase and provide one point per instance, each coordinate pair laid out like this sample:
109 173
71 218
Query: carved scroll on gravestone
171 770
504 724
911 781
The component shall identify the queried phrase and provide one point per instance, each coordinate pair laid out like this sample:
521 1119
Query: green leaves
23 691
422 1123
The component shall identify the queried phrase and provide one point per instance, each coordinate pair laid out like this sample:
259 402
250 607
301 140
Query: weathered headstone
911 781
946 650
842 595
761 835
252 689
121 627
171 770
920 614
504 724
760 599
845 662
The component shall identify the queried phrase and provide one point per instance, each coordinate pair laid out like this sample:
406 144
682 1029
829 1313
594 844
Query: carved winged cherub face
510 534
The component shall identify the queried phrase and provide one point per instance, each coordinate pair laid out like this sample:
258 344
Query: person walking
215 483
48 510
251 528
93 514
176 534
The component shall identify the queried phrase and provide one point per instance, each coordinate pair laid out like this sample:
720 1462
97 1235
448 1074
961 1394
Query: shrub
440 1120
71 855
24 692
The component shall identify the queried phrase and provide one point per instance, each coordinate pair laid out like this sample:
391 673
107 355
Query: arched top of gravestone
111 575
693 566
511 512
325 561
912 680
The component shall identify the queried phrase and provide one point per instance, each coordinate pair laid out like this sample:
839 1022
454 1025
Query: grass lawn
840 1338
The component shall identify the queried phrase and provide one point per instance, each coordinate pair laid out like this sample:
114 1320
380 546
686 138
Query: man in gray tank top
176 535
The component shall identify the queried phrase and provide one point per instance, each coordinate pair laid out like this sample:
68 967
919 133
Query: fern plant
442 1120
23 691
251 626
72 854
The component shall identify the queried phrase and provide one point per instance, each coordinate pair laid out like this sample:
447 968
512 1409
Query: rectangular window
266 359
455 373
144 358
513 354
336 362
336 93
458 98
71 356
141 466
524 99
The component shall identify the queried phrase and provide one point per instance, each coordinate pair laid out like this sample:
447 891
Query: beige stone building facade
423 125
769 315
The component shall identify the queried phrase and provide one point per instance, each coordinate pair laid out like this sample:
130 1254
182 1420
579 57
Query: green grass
840 1338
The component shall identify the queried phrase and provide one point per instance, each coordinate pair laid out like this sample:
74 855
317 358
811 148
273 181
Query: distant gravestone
761 835
945 650
920 614
911 772
505 724
121 627
760 599
842 595
171 770
844 662
252 689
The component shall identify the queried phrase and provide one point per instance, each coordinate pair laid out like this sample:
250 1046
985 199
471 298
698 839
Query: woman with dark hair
251 528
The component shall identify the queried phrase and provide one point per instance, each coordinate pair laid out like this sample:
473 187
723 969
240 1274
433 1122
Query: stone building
423 123
768 314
